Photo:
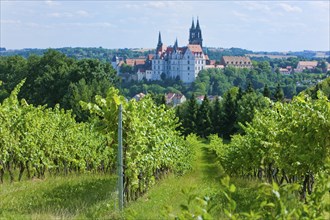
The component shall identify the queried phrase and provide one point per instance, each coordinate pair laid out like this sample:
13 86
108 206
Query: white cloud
61 15
159 4
10 22
321 5
241 16
252 6
89 25
51 3
289 8
80 13
36 25
154 5
132 6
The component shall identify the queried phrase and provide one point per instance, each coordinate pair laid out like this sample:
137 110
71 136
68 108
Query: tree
279 95
12 71
230 113
48 78
266 91
190 117
247 106
203 119
323 66
163 76
126 68
249 88
216 115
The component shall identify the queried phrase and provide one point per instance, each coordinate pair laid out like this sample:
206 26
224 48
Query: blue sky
254 25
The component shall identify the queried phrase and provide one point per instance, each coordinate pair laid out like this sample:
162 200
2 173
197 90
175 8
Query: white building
180 62
144 74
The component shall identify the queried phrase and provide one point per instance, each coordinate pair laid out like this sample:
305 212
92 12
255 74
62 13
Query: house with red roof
174 99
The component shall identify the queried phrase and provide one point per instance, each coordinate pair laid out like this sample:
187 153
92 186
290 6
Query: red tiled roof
195 48
133 62
130 62
212 62
140 61
307 63
235 59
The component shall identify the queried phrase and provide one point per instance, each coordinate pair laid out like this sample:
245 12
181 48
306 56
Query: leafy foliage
289 142
40 139
152 146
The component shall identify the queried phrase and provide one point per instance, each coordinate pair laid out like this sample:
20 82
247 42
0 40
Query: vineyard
286 143
278 165
37 140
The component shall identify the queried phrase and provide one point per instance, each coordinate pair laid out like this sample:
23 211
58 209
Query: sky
253 25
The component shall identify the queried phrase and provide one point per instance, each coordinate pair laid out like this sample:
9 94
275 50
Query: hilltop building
236 61
179 62
305 65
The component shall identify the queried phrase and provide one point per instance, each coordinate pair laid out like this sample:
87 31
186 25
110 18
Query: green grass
202 180
70 197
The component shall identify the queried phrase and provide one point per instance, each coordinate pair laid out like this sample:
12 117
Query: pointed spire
197 25
159 38
175 47
192 24
160 44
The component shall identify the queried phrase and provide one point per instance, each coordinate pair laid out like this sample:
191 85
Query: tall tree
266 91
189 122
203 118
279 95
230 114
249 88
216 115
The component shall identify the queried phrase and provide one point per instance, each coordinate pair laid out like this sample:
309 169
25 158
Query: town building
174 99
305 65
236 61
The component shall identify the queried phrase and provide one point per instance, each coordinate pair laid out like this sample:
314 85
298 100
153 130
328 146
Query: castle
174 62
179 62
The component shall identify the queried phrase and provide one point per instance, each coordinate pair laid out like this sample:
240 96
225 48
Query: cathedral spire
159 39
192 24
197 25
160 43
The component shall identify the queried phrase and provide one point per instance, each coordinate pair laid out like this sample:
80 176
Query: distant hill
213 53
83 52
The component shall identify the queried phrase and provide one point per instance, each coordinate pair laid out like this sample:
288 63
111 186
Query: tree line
223 116
54 78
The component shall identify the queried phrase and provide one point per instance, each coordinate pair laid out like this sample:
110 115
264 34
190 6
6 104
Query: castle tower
160 43
192 32
195 34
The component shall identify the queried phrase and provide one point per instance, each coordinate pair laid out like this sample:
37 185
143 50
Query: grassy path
203 180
